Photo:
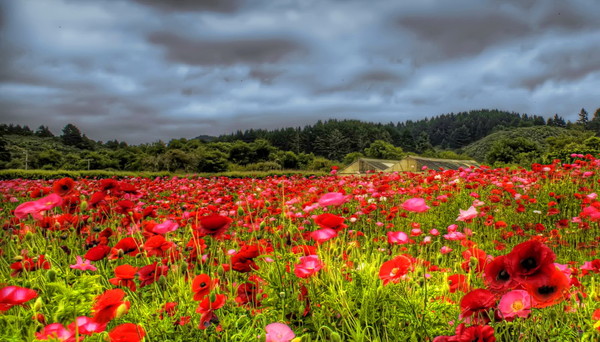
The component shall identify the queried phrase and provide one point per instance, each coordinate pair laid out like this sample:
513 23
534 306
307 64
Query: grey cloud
221 6
564 65
166 69
465 34
226 51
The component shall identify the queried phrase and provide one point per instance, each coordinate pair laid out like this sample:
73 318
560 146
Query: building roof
448 164
383 165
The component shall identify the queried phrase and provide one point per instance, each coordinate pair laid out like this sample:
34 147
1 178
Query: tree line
312 147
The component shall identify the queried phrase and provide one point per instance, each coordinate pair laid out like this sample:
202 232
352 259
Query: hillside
538 134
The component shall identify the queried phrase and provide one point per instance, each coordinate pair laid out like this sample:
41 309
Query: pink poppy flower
445 250
515 303
308 266
323 235
36 207
592 212
466 215
15 295
416 205
279 332
86 326
398 238
55 331
332 198
165 227
83 265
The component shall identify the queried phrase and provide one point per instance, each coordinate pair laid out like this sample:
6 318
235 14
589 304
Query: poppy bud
83 205
39 317
51 275
335 337
121 310
18 258
240 211
37 306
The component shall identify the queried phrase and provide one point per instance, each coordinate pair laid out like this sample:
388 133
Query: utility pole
88 162
26 159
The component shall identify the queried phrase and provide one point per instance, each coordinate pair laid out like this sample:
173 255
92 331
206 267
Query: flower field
474 254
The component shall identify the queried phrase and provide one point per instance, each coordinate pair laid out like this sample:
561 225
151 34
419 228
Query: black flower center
546 290
529 263
503 276
202 284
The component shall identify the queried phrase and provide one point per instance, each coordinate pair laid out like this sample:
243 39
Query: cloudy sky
143 70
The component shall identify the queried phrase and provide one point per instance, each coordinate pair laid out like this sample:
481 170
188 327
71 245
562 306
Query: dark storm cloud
224 52
143 70
222 6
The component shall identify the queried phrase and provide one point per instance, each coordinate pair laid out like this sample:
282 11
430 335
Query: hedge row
57 174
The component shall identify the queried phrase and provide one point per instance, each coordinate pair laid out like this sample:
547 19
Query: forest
489 136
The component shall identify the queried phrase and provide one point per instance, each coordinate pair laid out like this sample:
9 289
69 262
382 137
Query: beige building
410 163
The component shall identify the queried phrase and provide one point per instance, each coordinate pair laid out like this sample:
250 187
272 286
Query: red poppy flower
497 277
393 270
243 261
476 304
247 293
214 225
458 282
527 258
150 273
304 250
97 253
63 187
474 258
157 245
126 246
15 295
124 276
332 221
127 332
477 333
108 305
548 287
109 184
206 308
201 286
96 199
169 309
29 264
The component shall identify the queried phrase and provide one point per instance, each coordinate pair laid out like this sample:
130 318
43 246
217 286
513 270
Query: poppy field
479 254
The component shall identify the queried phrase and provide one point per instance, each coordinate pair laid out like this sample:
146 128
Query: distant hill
538 134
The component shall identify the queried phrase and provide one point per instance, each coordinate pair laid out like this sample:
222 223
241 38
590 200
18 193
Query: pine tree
72 136
583 119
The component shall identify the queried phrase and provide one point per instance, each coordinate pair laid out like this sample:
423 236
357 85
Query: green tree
383 150
72 136
211 160
352 157
49 159
583 119
460 137
43 132
4 154
511 150
422 144
241 153
594 123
